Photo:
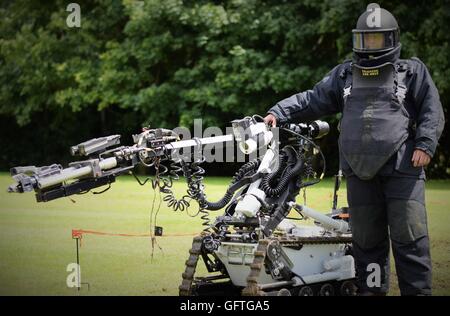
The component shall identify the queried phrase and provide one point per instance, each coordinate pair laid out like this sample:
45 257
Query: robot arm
106 159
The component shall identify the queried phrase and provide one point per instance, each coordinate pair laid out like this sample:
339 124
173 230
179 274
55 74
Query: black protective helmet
376 31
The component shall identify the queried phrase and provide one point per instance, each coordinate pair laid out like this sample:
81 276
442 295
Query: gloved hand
271 120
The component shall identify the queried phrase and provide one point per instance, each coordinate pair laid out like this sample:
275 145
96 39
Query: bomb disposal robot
252 248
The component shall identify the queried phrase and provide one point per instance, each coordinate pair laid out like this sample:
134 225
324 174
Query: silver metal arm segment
77 172
200 141
325 221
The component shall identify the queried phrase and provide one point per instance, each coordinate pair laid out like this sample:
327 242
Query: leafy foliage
166 62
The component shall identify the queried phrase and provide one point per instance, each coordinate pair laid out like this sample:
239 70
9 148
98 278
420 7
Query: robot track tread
252 288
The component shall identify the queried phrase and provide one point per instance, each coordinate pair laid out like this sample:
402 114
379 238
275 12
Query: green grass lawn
36 244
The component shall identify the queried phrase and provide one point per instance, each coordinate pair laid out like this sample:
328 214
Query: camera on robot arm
285 169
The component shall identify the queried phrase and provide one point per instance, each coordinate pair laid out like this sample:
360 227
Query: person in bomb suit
391 122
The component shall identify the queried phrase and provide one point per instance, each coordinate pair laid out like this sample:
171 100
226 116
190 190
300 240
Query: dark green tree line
166 62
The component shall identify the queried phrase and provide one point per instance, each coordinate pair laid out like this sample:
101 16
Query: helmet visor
373 41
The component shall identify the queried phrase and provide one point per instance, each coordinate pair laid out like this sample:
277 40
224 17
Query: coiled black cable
289 173
269 179
193 173
181 204
249 167
194 176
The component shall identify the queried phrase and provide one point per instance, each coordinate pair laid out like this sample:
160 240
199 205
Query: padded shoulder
345 68
414 64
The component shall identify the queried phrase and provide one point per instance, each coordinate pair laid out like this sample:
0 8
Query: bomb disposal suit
390 107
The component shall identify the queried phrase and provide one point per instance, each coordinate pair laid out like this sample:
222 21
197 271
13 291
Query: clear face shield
367 42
